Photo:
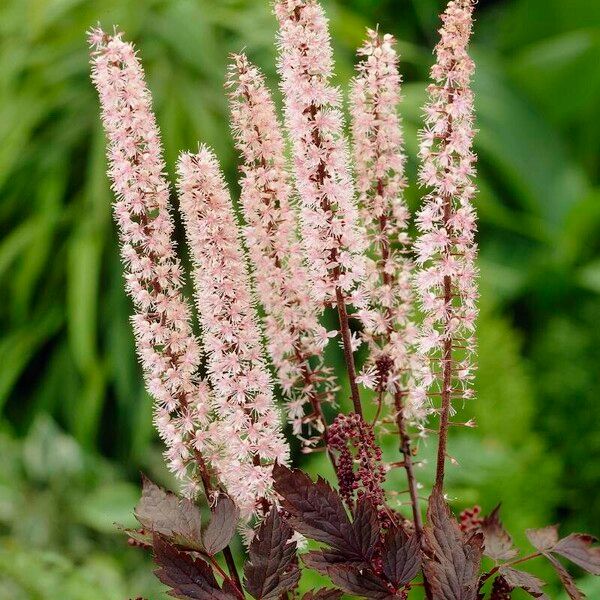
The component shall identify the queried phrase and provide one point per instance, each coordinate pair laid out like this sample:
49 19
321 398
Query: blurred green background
75 423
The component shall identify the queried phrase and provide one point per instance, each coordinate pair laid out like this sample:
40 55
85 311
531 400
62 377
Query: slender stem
405 449
445 414
237 587
448 343
348 355
510 563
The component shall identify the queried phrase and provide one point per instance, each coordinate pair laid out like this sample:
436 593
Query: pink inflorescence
352 431
294 334
332 238
245 439
446 249
380 159
167 348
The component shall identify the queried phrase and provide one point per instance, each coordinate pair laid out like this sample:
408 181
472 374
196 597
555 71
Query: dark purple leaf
323 594
401 557
366 526
451 563
163 512
498 543
360 582
578 548
222 525
321 560
316 510
188 578
543 539
272 566
525 581
568 582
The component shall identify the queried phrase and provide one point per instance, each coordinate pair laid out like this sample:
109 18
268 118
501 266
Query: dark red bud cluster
359 468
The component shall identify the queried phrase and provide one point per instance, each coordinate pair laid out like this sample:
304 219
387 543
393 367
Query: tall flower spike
379 157
246 436
165 344
292 326
333 241
446 248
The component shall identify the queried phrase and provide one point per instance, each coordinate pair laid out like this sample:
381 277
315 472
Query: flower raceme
445 248
246 436
294 334
166 346
388 326
333 237
331 233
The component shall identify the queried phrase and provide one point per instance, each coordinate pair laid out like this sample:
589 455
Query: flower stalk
446 250
332 237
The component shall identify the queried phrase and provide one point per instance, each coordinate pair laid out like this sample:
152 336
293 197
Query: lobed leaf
498 542
543 539
222 525
162 512
187 577
452 559
578 548
401 557
317 511
272 567
525 581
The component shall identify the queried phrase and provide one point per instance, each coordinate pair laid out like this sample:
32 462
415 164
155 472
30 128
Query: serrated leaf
543 539
578 548
321 560
187 577
323 594
366 526
163 512
498 542
401 557
222 525
316 510
360 582
525 581
452 559
568 582
272 568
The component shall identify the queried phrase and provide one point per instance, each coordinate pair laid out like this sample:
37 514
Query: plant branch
348 355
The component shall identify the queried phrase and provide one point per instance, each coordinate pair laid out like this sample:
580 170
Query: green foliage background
75 423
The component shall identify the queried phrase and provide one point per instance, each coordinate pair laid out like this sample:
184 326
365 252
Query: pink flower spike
333 241
292 325
246 436
379 158
165 343
446 248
